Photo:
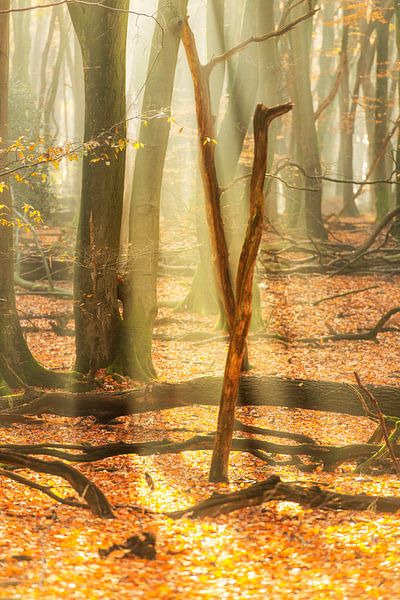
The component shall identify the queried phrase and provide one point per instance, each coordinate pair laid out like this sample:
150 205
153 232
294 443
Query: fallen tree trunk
327 396
274 489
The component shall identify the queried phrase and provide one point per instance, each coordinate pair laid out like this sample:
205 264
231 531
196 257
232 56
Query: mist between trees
209 140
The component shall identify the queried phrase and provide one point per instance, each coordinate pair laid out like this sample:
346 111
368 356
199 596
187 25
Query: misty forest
199 299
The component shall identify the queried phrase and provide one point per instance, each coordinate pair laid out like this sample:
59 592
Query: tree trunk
102 37
326 396
21 35
17 364
326 70
397 15
216 45
223 440
346 131
381 190
303 115
140 303
269 88
204 278
231 136
212 193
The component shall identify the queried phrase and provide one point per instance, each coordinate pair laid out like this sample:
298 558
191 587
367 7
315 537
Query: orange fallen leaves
275 551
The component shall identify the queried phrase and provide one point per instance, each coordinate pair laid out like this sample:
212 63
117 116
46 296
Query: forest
199 299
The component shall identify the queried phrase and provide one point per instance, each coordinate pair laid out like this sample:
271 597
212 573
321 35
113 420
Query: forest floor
276 551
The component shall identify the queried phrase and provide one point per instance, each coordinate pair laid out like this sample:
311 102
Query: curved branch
216 60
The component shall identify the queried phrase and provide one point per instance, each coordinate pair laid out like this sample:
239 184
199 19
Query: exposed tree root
273 489
20 456
94 497
328 456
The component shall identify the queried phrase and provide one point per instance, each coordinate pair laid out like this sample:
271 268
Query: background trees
339 67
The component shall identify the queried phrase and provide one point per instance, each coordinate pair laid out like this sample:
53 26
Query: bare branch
382 423
332 94
216 60
85 2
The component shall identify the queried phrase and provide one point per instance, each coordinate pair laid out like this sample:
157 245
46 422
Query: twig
381 418
316 302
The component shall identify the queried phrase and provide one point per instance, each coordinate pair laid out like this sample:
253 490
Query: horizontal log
325 396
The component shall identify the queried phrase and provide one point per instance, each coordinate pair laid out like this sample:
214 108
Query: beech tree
140 293
102 37
17 364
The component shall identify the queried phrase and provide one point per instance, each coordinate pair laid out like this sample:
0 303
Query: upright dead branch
263 117
206 134
212 193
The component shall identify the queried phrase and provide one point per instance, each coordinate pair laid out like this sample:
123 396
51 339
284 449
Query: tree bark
381 190
102 37
397 17
327 396
17 365
263 116
346 130
212 193
140 305
303 116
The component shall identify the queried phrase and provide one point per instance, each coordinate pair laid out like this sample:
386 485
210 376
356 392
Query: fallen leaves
275 551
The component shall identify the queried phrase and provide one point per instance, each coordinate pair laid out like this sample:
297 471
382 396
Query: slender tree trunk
231 136
140 301
381 190
269 85
212 193
223 439
216 45
346 131
397 15
102 37
326 69
21 34
303 115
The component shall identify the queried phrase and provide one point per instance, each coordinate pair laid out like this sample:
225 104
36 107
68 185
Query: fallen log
328 396
273 489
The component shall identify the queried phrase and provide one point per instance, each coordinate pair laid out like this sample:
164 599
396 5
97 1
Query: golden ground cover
278 550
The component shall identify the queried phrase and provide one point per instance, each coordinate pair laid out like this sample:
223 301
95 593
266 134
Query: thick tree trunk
21 34
140 303
102 37
263 116
216 45
17 364
204 278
